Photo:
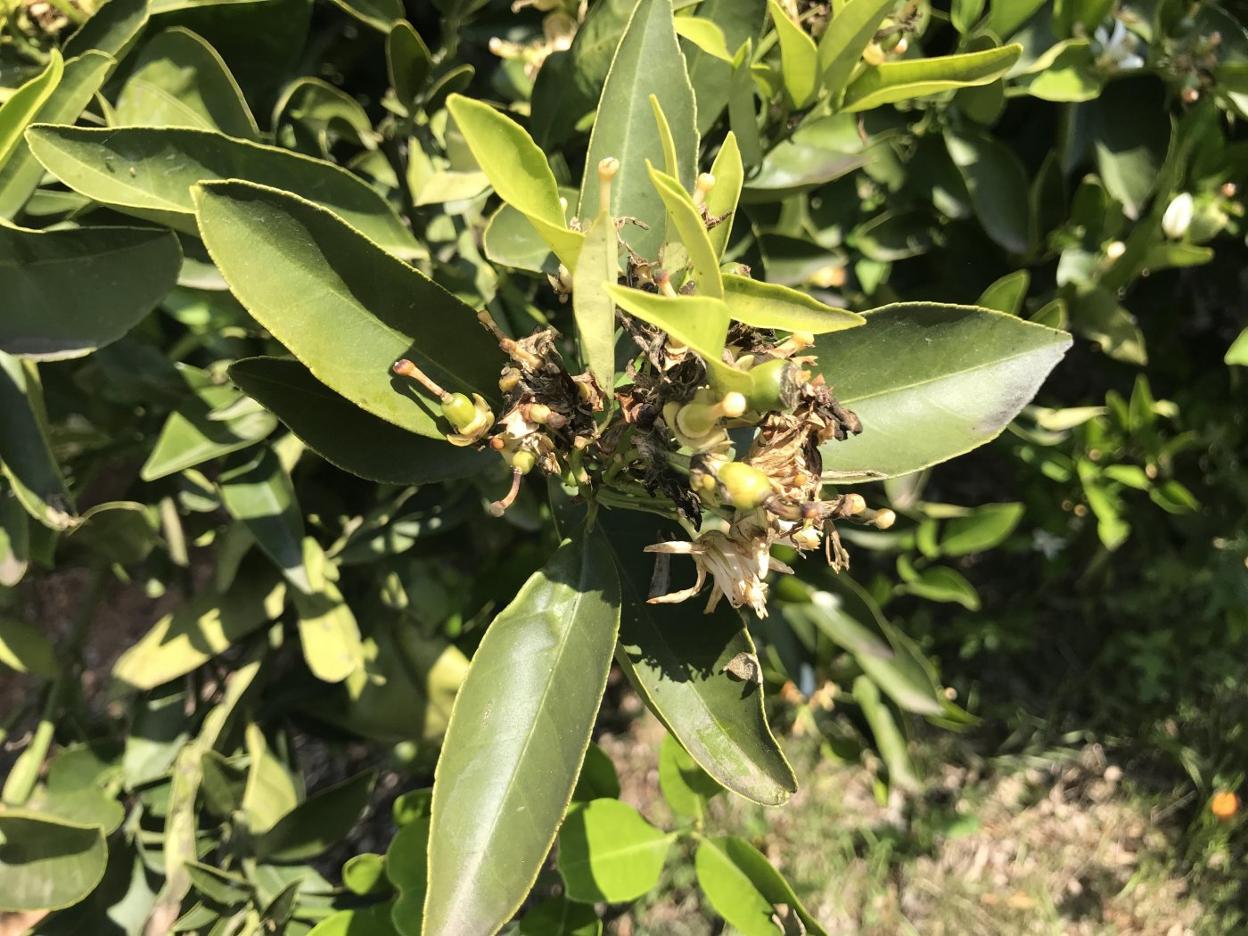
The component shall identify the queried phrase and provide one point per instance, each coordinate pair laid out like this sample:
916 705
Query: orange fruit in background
1224 804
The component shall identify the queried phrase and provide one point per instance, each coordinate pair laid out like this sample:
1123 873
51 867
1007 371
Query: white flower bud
1178 216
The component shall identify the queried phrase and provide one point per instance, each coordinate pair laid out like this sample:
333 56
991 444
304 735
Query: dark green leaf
70 291
345 435
318 824
360 309
517 738
956 376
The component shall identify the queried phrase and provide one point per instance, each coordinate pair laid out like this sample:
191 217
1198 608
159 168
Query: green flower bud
459 410
744 485
523 461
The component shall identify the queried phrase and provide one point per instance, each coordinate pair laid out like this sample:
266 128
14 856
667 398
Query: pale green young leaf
80 80
647 62
742 116
701 322
687 221
840 47
518 171
507 772
359 309
671 163
906 79
685 785
259 493
705 34
889 740
768 305
987 527
798 57
1237 353
592 306
24 103
721 202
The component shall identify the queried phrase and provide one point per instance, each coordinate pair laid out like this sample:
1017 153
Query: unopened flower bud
607 169
744 485
702 188
853 504
873 54
1178 216
1115 249
884 519
1224 805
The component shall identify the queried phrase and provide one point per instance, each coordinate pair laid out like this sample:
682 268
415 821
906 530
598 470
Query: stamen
499 507
405 368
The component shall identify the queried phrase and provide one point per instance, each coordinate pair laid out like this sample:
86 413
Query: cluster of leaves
308 195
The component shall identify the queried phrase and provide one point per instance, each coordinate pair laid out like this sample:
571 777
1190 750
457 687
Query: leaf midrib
946 375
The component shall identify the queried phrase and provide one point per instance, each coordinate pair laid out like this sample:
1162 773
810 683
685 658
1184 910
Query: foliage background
1079 584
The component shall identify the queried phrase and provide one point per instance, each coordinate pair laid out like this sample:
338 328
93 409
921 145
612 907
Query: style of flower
737 562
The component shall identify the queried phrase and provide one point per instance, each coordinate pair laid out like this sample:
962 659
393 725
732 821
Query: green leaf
710 70
767 305
984 529
679 670
994 177
882 663
742 116
328 631
373 920
80 80
685 785
706 35
179 80
26 454
518 171
688 223
345 435
1237 353
841 46
1006 294
24 103
516 740
820 151
47 863
407 868
647 62
63 295
721 201
888 737
903 80
15 551
1005 17
113 29
598 777
938 583
1069 76
319 823
964 14
670 163
270 793
382 15
1130 130
259 493
557 916
745 889
195 433
930 382
365 874
313 115
149 171
592 306
798 57
609 853
26 649
221 887
359 309
198 630
701 322
408 62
